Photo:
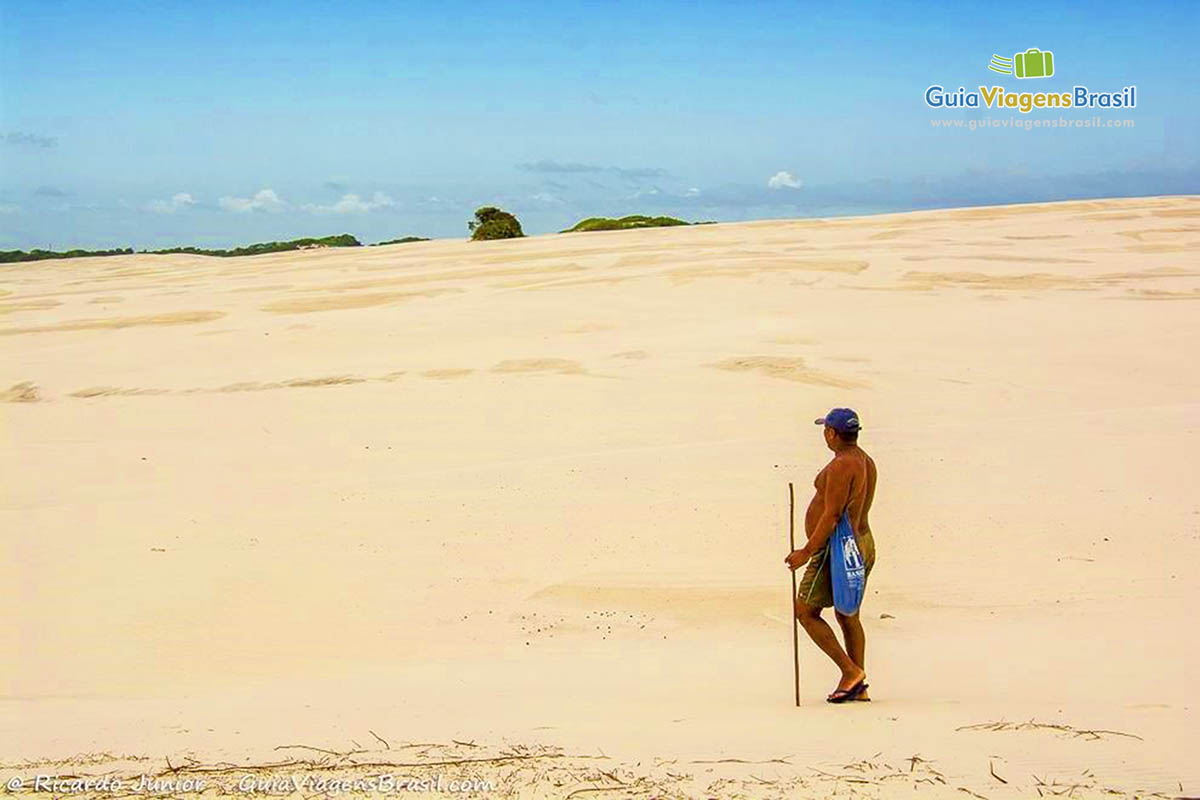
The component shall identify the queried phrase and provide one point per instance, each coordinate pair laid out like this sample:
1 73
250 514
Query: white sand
534 492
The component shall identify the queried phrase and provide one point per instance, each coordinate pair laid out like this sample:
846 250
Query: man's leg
823 636
856 640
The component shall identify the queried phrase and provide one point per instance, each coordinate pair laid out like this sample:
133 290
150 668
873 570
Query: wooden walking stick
792 600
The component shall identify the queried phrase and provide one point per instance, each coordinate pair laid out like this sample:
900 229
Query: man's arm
835 498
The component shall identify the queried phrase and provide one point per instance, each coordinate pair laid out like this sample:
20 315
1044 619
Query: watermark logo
1033 63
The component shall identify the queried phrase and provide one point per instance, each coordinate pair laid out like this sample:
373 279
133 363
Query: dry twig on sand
1092 734
339 753
743 761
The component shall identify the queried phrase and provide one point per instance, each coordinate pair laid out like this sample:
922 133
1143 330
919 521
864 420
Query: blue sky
151 124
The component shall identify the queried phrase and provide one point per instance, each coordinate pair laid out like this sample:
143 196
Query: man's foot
846 695
853 683
850 678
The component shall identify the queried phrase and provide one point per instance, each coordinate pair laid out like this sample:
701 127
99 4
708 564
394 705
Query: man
846 483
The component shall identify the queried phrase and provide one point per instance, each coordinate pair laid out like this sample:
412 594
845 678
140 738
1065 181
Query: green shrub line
623 223
341 240
10 256
489 223
404 240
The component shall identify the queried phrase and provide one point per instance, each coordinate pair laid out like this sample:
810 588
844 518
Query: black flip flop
846 695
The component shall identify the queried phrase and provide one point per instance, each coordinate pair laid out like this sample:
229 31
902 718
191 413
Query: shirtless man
846 482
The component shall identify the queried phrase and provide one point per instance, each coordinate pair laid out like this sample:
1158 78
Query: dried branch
319 750
1087 733
743 761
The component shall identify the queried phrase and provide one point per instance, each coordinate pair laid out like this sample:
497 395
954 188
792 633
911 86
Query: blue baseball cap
842 420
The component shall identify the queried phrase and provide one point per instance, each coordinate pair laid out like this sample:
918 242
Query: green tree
493 223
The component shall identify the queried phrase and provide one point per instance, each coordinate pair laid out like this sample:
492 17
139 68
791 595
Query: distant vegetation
405 240
489 223
10 256
341 240
632 221
493 223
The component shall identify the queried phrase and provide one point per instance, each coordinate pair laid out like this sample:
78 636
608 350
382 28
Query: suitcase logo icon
1033 63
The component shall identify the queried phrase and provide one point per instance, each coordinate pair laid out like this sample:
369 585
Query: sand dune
518 508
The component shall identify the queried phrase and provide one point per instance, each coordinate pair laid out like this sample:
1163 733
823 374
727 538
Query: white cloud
353 204
651 192
692 192
545 197
6 208
264 200
436 202
177 201
783 180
